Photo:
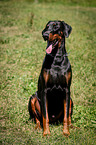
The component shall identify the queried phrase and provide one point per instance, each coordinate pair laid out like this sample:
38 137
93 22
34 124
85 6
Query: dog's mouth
51 46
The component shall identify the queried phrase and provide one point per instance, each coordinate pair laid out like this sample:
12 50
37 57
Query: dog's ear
67 29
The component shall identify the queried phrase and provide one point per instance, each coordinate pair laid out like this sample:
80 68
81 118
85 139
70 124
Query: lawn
22 50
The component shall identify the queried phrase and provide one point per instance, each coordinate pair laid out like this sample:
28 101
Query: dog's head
54 32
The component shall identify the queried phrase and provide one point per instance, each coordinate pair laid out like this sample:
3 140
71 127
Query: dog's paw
46 132
66 132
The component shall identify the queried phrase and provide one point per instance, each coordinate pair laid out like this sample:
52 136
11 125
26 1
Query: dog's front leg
45 104
45 114
66 113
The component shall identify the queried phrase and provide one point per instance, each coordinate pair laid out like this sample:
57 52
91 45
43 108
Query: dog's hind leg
34 109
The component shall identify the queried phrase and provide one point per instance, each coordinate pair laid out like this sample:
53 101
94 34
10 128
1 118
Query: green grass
22 50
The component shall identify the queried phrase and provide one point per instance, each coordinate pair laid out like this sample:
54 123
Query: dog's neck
57 58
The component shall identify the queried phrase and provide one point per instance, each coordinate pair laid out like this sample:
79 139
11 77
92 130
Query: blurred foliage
69 2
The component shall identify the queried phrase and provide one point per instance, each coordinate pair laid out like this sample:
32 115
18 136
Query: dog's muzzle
45 35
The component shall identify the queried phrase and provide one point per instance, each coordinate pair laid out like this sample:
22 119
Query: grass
22 50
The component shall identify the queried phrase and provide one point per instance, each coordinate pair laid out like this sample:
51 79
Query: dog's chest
58 71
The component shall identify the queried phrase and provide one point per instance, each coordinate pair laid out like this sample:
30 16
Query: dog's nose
45 35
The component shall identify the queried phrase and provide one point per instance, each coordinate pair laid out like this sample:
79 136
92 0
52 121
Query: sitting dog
52 101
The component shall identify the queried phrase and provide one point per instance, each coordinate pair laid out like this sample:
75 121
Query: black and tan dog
52 101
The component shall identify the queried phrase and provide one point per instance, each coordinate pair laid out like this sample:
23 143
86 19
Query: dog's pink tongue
49 49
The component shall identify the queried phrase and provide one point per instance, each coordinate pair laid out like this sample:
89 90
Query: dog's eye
55 26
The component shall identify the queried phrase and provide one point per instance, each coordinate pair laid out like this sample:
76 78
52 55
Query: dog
52 101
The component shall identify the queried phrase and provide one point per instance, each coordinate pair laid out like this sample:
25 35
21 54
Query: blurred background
22 50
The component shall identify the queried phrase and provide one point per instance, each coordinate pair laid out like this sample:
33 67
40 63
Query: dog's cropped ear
67 29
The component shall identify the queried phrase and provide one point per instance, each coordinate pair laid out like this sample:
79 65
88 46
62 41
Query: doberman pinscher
52 101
